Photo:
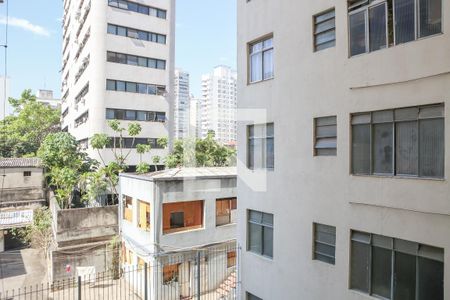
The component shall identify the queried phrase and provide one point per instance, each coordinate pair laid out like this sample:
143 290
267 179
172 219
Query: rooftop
185 173
32 162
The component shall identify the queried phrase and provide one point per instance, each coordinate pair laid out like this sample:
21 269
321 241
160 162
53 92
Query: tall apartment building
343 181
46 97
117 64
5 108
218 104
181 104
195 117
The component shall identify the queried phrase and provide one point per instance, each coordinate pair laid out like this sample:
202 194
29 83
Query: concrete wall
81 225
304 189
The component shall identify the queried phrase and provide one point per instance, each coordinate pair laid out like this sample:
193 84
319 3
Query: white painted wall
304 189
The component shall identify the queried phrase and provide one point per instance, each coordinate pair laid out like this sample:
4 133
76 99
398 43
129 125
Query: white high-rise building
343 149
181 104
195 117
218 104
5 108
118 64
46 97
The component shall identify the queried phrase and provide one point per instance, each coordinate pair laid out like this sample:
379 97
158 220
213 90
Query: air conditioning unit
83 100
78 15
76 107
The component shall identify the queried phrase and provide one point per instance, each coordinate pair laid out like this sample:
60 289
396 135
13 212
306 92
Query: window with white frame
378 24
261 60
261 152
324 30
390 268
406 142
260 233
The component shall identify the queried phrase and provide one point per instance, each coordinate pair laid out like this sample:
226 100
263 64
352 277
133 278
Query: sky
205 38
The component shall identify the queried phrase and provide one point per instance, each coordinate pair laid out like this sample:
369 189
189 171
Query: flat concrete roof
185 173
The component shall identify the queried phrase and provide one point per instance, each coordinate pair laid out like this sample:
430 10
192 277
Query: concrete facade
218 104
303 188
157 247
87 67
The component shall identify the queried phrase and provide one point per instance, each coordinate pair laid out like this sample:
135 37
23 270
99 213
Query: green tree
200 153
22 134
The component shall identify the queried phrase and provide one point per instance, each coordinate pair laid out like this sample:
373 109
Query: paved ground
19 268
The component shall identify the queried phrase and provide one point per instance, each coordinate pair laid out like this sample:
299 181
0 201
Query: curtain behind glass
268 64
430 12
404 21
377 27
432 149
382 148
407 148
256 67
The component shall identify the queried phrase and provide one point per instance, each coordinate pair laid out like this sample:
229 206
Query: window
136 34
127 208
170 273
396 269
26 173
261 60
177 219
182 216
375 25
324 30
120 114
260 233
325 136
324 243
407 142
231 259
225 211
251 296
139 8
260 146
144 215
134 87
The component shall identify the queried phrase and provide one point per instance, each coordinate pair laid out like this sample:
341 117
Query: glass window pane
151 89
131 87
325 37
407 148
112 29
325 26
256 67
432 151
359 269
252 297
161 64
161 39
132 33
404 276
255 216
255 238
121 58
132 60
267 219
132 6
141 116
377 27
122 31
430 12
357 33
404 21
383 148
256 47
142 88
268 64
121 86
325 249
111 85
142 61
268 241
381 272
120 114
361 149
142 35
109 114
270 153
431 279
130 115
111 57
143 9
152 63
162 14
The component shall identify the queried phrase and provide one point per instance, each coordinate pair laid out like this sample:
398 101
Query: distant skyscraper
5 107
195 117
218 104
118 64
181 104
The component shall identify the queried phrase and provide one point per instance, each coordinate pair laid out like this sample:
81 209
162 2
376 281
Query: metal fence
204 275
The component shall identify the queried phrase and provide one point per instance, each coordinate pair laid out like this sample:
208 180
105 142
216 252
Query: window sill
183 230
250 83
226 225
400 177
264 257
366 296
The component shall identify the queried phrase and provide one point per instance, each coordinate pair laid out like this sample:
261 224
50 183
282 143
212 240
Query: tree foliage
22 134
200 153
